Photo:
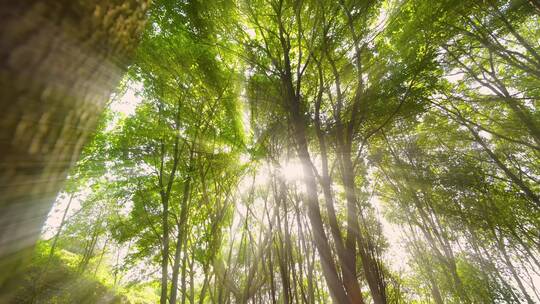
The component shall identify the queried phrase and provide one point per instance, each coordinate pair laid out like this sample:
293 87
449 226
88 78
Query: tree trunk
57 235
181 237
101 257
164 253
59 62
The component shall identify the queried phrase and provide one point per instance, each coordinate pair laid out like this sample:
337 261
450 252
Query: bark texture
59 62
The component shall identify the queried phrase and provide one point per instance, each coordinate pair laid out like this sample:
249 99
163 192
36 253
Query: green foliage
55 279
276 142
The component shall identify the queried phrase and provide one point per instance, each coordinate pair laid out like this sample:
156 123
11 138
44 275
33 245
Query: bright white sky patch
129 101
396 254
54 219
251 33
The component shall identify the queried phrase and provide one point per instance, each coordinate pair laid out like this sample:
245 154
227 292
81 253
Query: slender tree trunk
184 276
191 278
176 265
207 279
314 214
370 265
270 254
281 251
101 257
116 265
165 194
346 256
435 292
522 186
165 253
181 237
511 267
91 244
62 223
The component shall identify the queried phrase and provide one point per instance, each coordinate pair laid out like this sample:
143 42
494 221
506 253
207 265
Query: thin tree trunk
101 256
522 186
511 267
181 237
62 223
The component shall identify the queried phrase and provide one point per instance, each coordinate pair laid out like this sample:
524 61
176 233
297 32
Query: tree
60 62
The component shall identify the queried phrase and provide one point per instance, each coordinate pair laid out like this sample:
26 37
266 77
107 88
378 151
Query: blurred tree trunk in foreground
59 62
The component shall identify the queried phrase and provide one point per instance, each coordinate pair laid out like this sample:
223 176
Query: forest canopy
310 151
